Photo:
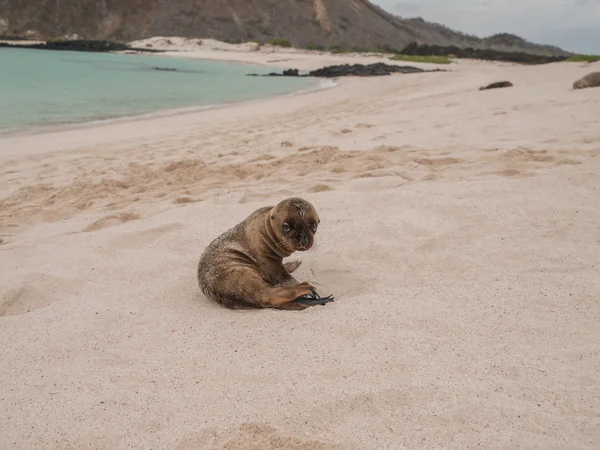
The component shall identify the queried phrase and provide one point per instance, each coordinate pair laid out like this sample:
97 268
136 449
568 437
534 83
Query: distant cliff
349 24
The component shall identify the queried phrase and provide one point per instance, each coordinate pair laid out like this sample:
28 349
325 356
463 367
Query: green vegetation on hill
584 58
422 59
280 42
337 49
315 47
394 54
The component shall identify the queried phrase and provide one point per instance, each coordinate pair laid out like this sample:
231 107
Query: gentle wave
163 113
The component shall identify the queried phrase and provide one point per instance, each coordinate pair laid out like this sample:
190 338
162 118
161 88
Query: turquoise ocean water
43 88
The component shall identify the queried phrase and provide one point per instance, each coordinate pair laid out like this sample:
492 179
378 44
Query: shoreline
159 114
318 85
147 126
217 51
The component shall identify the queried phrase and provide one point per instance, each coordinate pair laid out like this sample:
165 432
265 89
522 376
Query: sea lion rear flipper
314 299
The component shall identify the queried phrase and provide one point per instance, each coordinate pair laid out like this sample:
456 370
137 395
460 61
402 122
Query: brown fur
243 266
588 81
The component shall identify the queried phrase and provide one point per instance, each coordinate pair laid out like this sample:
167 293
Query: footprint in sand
183 200
508 173
344 131
35 292
260 158
251 436
438 162
111 221
430 177
320 188
568 162
527 155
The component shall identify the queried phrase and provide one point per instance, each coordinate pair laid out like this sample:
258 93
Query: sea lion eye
313 227
286 227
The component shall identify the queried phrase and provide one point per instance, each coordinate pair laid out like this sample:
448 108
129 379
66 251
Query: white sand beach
459 234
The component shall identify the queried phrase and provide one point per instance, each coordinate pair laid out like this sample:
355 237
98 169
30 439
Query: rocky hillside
350 24
437 34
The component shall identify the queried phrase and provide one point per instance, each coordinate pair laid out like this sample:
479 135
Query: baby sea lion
588 81
242 268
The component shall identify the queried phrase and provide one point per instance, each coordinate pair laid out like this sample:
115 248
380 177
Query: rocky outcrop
344 70
368 70
79 45
478 53
76 45
496 85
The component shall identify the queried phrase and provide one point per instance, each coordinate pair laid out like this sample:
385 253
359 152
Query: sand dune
459 236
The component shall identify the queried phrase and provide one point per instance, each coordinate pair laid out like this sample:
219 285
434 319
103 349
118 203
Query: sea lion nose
304 240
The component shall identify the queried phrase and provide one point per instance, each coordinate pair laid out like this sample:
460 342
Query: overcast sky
571 24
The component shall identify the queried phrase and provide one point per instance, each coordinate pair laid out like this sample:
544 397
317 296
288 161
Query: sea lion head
294 222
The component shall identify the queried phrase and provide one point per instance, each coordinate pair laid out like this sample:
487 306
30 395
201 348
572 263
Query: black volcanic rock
361 70
357 70
496 85
79 45
76 45
474 53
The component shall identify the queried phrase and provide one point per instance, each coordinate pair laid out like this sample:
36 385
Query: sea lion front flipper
314 301
279 297
293 306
